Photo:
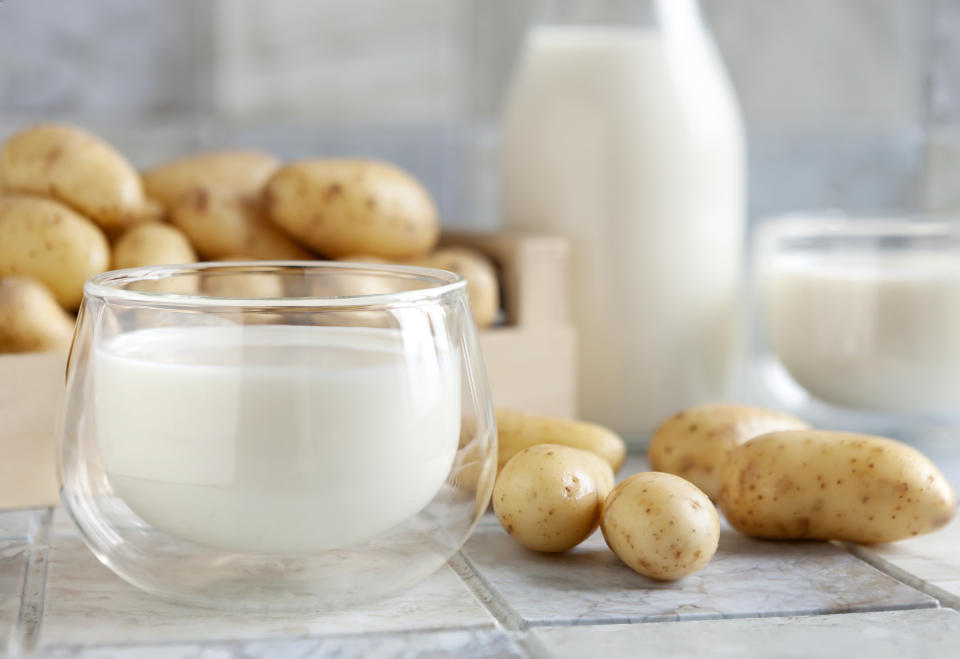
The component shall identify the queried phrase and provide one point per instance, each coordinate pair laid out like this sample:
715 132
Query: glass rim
827 223
438 284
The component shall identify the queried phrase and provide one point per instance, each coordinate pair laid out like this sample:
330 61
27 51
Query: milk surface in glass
276 439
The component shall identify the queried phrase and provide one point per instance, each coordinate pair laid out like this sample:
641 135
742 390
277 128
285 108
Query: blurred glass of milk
622 132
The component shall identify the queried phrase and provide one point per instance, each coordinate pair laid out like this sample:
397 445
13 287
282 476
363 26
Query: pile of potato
72 206
771 475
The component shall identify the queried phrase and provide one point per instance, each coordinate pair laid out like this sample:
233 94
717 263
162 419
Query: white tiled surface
13 565
745 578
931 562
86 603
887 635
474 644
496 599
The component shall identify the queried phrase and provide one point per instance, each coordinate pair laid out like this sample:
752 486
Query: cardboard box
530 361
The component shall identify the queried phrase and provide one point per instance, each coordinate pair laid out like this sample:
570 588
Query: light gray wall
849 103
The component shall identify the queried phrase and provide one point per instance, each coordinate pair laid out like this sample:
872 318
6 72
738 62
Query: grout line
946 598
504 614
32 598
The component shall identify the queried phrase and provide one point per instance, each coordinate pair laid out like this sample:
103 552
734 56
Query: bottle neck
598 13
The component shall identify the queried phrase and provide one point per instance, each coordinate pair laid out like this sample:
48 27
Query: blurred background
848 103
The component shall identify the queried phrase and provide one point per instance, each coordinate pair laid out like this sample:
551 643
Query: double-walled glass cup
276 435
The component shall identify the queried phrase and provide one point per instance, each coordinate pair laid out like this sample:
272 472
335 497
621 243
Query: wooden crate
530 360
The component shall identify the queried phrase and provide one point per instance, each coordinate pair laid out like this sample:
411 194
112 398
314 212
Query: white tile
944 85
941 192
931 560
13 565
86 603
885 635
746 578
856 63
835 169
63 525
20 523
461 643
105 59
343 62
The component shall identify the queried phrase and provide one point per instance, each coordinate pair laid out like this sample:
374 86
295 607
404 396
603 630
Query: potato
343 207
694 443
833 486
46 240
362 258
77 168
238 172
228 282
30 318
548 497
482 286
220 223
152 244
660 525
517 430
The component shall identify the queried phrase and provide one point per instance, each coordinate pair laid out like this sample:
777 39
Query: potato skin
660 525
30 318
482 285
46 240
548 497
220 223
694 443
833 486
152 243
343 207
76 168
239 172
518 430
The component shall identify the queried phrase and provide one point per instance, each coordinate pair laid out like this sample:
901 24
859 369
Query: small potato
343 207
238 172
694 443
362 258
76 168
225 282
46 240
660 525
833 486
548 497
152 244
220 223
481 276
517 430
30 318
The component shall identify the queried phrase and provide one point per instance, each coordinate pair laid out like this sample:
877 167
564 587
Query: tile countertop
494 598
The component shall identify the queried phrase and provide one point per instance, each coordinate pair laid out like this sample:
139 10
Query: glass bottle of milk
622 132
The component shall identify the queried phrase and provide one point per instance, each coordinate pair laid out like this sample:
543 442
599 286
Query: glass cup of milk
276 435
857 319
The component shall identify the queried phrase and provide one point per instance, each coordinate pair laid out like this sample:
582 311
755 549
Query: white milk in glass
276 438
874 330
630 144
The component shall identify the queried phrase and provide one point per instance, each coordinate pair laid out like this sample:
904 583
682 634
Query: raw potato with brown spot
238 172
343 207
482 286
833 486
660 525
152 244
518 430
548 497
78 169
30 318
694 443
220 223
46 240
